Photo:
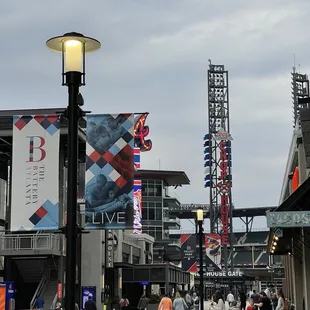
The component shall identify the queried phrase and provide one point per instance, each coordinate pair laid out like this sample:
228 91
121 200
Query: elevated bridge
246 215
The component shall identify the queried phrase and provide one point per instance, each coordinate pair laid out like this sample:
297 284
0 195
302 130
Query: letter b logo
36 151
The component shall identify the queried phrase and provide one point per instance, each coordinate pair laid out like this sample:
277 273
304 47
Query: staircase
31 270
49 293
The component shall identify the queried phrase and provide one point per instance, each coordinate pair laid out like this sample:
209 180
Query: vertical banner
188 252
109 249
35 172
213 252
137 225
109 182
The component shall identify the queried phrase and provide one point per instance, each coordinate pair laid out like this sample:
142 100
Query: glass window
151 214
144 189
151 190
152 233
144 213
159 234
159 214
158 190
151 205
151 183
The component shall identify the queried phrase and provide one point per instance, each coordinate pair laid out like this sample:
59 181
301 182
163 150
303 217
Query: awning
299 200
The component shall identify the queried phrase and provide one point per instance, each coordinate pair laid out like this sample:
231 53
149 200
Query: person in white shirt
230 299
268 291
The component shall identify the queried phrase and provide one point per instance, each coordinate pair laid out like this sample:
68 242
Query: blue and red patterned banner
35 173
109 171
137 225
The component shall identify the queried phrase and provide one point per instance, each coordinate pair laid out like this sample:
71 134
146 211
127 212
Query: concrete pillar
297 271
306 268
92 261
302 163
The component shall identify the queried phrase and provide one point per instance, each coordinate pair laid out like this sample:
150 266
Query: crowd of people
265 300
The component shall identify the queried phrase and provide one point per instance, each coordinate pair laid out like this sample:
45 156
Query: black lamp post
73 47
199 221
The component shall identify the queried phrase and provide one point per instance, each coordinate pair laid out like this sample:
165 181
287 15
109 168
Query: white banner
35 173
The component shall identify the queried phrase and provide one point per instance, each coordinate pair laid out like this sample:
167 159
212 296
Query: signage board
223 274
288 219
110 249
278 273
194 206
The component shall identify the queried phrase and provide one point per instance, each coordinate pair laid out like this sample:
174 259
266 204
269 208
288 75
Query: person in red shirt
165 303
251 306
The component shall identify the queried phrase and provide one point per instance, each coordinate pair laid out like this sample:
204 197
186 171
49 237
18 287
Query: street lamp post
73 47
199 220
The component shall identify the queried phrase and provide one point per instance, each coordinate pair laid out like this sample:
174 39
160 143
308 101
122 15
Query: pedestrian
39 303
143 302
179 303
189 300
196 301
281 300
242 297
58 306
264 302
90 304
230 299
251 305
124 302
255 298
220 300
165 303
274 301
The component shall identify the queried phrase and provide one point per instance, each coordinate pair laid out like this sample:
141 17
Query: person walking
143 302
230 299
124 302
165 303
196 301
90 304
281 300
189 300
242 297
179 303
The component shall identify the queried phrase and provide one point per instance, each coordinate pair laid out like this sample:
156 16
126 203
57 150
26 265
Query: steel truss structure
300 94
217 137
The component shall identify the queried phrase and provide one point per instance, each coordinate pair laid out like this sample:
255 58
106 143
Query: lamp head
73 46
199 215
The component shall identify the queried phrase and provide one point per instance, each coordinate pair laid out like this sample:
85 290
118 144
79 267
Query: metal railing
53 305
44 241
129 239
40 288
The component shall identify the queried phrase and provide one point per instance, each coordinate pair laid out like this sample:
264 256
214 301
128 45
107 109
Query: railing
241 230
40 288
129 239
171 220
19 242
53 305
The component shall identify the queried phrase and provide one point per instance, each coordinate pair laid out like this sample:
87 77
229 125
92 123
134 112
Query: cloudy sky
154 58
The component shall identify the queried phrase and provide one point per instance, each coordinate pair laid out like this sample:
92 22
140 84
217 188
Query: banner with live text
35 172
213 252
189 252
109 181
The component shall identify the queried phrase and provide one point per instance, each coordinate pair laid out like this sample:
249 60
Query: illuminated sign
288 219
224 185
141 132
137 198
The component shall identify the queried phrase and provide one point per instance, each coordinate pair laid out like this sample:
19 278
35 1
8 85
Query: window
158 234
144 212
158 188
151 212
151 190
159 215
